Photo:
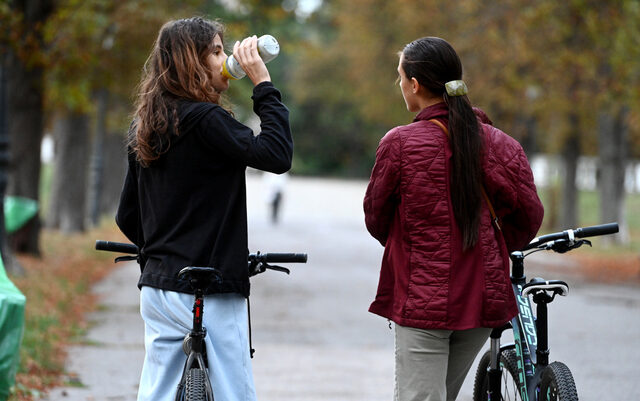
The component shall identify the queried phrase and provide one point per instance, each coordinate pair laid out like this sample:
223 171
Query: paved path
314 339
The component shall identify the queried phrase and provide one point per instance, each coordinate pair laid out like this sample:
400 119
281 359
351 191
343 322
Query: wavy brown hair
176 69
433 62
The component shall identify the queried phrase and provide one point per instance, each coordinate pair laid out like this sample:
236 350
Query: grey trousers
431 365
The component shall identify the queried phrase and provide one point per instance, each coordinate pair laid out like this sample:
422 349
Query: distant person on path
184 200
444 279
274 186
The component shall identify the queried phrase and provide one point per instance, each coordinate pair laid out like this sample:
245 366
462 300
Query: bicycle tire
195 386
508 383
557 384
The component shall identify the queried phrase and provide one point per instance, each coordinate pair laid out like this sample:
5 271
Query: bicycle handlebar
603 229
592 231
278 257
258 257
121 247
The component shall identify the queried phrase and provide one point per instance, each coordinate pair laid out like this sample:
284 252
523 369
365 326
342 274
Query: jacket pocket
427 290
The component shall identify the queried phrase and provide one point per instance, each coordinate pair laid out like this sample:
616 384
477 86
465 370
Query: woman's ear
415 85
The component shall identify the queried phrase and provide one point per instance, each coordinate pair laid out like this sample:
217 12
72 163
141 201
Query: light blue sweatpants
168 318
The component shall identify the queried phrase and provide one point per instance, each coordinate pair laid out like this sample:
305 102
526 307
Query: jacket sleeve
128 215
513 193
271 150
382 196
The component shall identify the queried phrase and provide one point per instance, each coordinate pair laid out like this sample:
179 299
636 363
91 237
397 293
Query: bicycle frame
530 340
531 337
196 353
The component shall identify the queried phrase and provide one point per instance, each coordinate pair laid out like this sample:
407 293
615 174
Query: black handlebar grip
285 257
116 247
603 229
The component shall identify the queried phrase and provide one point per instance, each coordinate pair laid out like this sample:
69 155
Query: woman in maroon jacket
444 279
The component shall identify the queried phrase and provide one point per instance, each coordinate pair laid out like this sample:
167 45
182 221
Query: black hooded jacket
188 208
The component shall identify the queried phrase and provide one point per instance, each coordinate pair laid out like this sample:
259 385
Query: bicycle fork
495 371
495 368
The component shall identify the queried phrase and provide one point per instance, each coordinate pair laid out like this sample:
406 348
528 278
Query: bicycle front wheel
195 389
509 388
557 384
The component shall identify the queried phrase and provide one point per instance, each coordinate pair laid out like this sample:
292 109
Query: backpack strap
484 193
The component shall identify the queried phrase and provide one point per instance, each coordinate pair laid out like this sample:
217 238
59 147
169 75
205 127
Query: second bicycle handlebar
278 257
603 229
592 231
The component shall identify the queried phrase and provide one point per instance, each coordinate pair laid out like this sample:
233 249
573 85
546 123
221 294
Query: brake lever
563 246
255 269
125 258
277 268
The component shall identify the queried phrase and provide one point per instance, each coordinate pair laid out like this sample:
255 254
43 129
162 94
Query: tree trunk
527 125
613 145
26 125
108 165
97 158
570 154
70 173
10 263
115 168
25 114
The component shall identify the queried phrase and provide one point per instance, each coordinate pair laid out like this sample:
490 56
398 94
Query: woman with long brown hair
435 184
184 200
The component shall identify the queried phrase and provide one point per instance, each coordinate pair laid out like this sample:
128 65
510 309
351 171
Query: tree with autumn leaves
72 66
561 77
85 58
23 66
96 49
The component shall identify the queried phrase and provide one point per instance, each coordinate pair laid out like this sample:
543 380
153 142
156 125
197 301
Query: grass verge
57 286
605 262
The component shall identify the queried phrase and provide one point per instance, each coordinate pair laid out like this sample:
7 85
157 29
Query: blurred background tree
22 45
96 49
561 77
556 76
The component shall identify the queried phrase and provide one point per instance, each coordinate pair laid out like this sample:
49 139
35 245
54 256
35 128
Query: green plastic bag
17 212
12 303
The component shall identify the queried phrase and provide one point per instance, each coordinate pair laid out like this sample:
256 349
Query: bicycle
194 383
521 370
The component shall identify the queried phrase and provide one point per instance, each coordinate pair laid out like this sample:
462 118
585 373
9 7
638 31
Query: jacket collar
436 110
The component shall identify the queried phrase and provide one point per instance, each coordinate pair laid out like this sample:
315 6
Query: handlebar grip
116 247
285 257
603 229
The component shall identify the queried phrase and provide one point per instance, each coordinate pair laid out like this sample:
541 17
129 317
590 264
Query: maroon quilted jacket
426 280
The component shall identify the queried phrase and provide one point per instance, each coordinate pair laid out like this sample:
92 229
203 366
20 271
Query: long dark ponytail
433 62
